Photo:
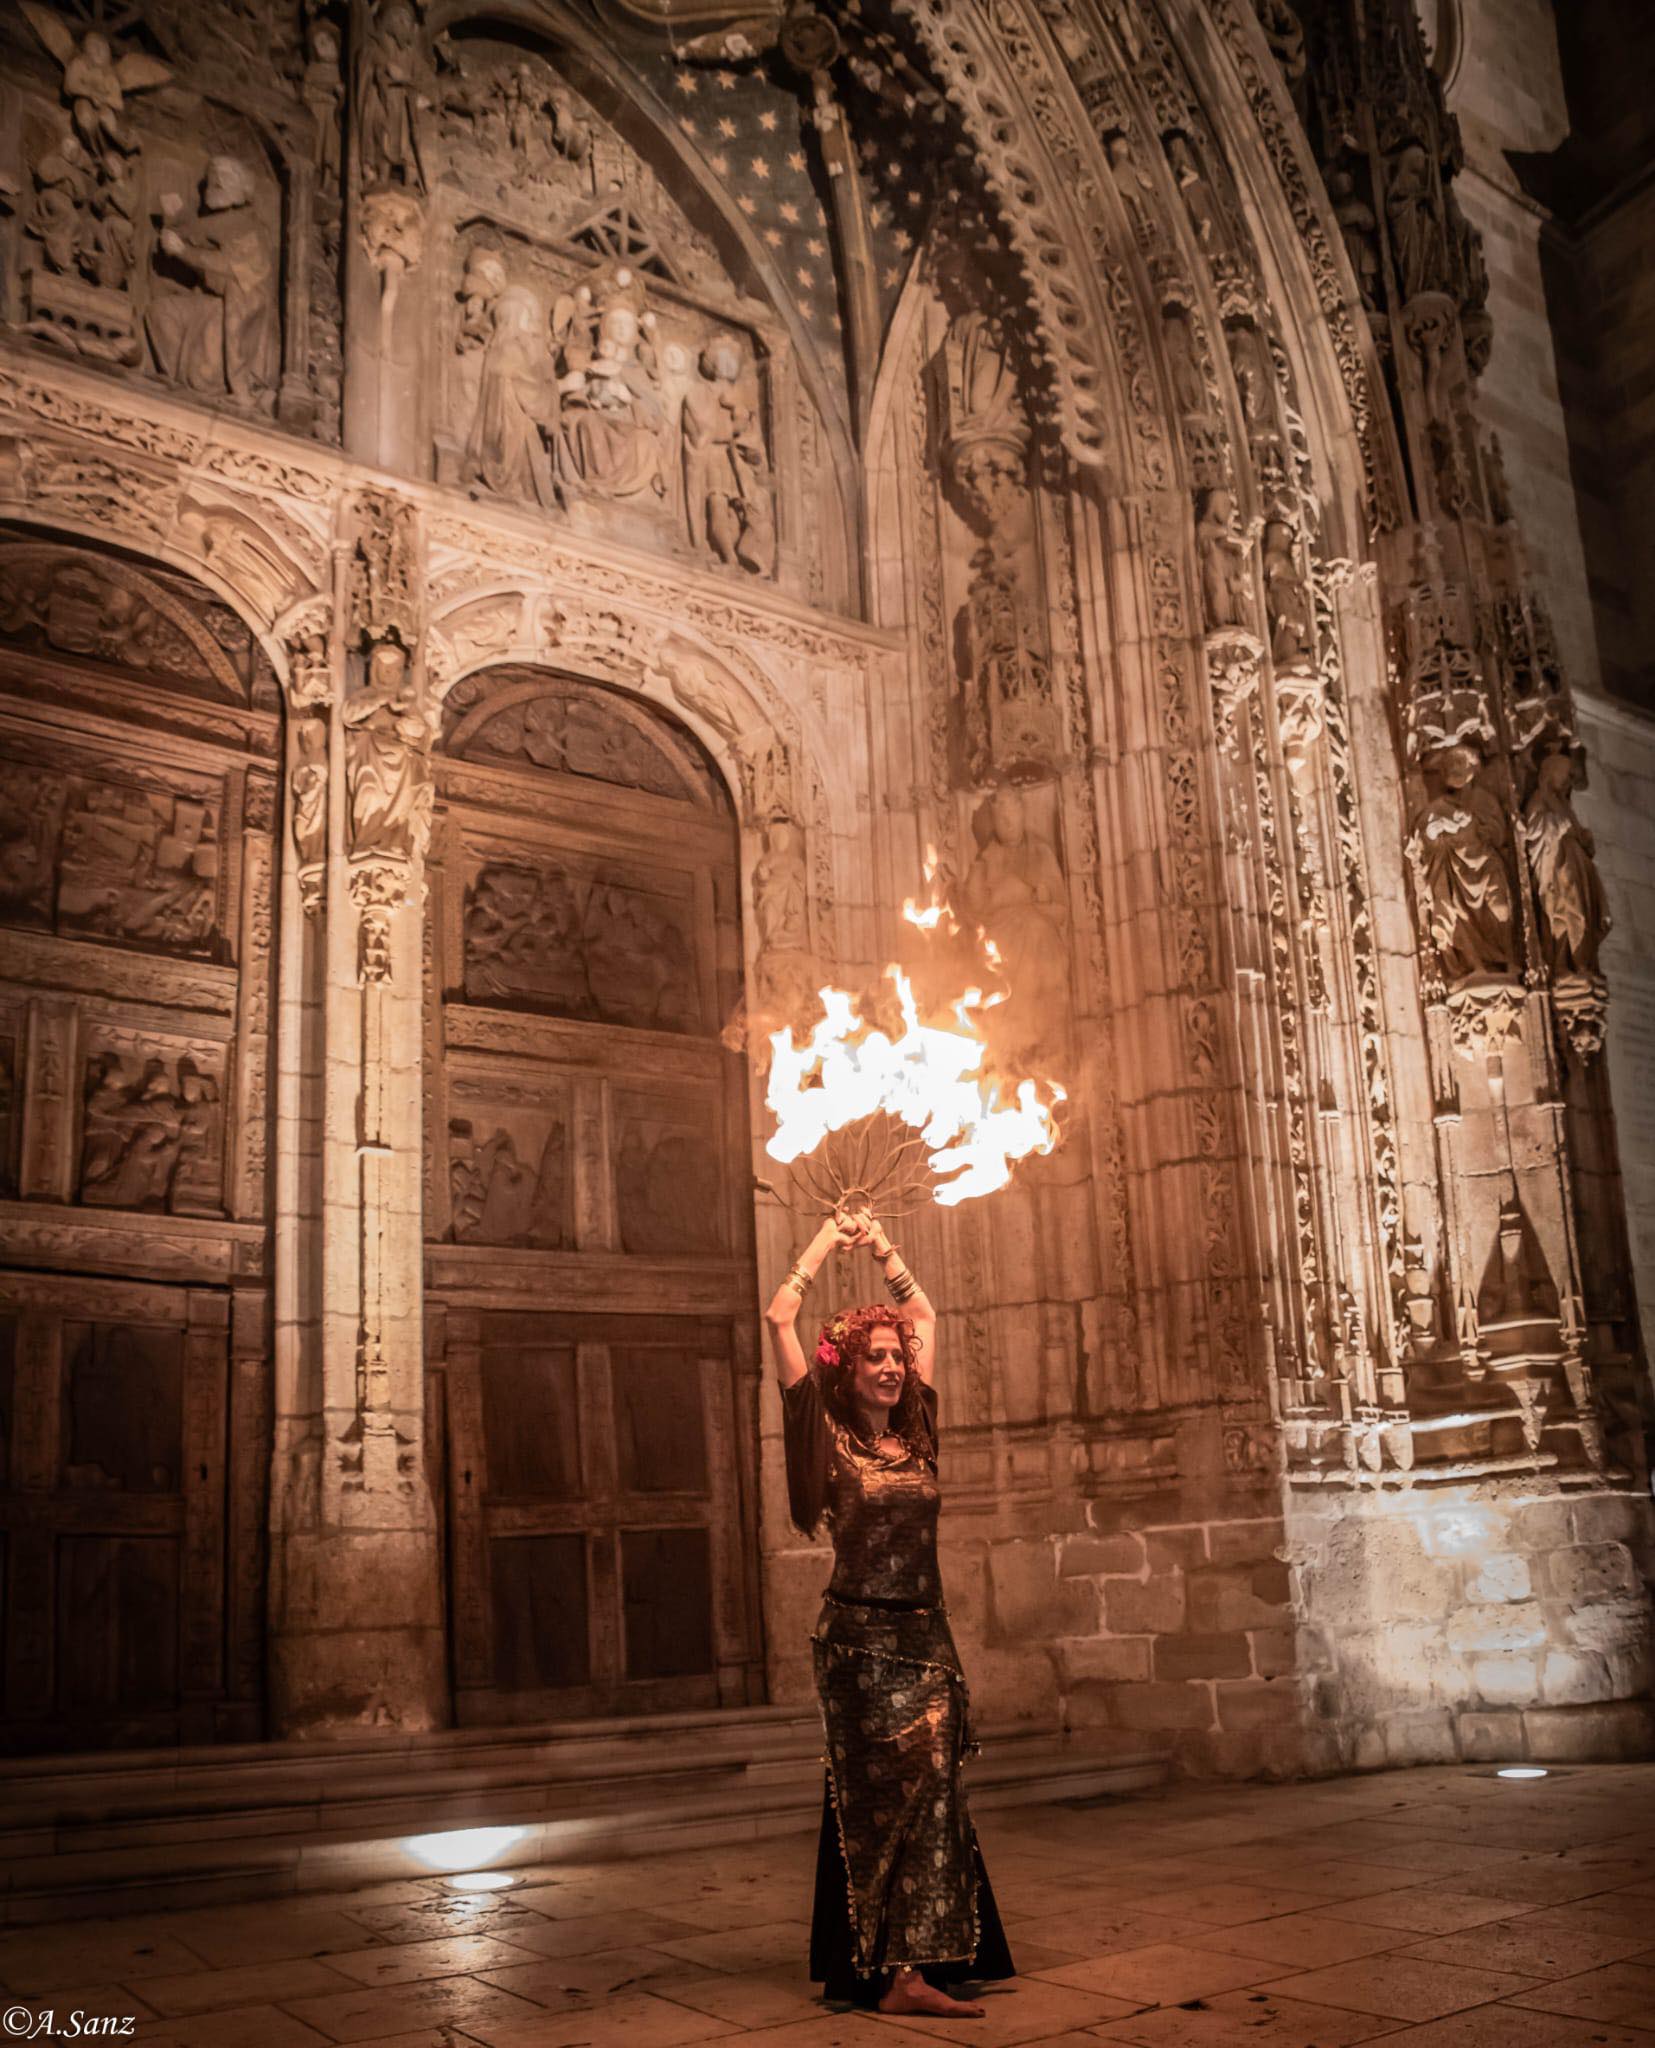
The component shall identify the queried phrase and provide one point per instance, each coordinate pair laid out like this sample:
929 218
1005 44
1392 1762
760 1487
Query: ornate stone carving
515 421
212 317
1459 849
727 492
1573 913
496 1196
786 973
1015 891
388 79
543 937
1226 593
1010 720
151 1133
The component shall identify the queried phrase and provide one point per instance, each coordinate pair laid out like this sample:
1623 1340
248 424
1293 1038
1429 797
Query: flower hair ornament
830 1349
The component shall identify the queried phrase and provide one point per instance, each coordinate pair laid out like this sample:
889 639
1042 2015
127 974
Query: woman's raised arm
783 1313
908 1295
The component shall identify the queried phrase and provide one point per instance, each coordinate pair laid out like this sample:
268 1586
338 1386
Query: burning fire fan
884 1120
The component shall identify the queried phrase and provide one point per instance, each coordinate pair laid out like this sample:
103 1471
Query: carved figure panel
1574 915
534 719
153 234
152 1125
90 857
509 1177
668 1194
1459 846
600 356
72 602
580 944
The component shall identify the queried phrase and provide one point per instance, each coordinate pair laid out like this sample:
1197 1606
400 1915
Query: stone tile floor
1443 1908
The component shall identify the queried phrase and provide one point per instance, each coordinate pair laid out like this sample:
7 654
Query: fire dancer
903 1904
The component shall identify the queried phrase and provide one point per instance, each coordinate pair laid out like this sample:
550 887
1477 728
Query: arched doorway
139 732
589 1259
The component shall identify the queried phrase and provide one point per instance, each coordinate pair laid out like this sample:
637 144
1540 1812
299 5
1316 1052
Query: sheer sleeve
928 1415
808 1442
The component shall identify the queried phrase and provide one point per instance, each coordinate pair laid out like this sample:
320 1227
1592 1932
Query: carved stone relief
95 858
151 1127
578 945
509 1185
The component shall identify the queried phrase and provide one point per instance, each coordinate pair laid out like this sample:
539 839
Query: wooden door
138 736
590 1279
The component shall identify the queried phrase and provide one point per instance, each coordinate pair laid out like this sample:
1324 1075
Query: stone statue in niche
1359 226
1459 849
387 768
212 316
309 787
1189 387
1135 186
323 93
1225 598
1410 211
498 1197
515 422
1015 891
1007 721
1286 601
1574 913
727 493
387 100
1254 379
1200 202
785 969
142 1133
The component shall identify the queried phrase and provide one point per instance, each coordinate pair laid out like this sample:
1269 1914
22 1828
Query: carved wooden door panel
138 728
590 1281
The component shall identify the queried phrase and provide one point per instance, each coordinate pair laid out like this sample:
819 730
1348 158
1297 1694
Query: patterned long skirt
897 1720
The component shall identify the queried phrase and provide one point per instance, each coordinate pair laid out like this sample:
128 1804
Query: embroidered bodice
882 1508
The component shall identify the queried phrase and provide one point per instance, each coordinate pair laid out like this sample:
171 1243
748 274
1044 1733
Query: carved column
356 1596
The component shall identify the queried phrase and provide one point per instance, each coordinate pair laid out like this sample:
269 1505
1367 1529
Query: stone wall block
1519 1627
1225 1597
1102 1557
1155 1607
1155 1708
1177 1549
1275 1652
1259 1703
1375 1570
1492 1737
1544 1524
1104 1660
1505 1576
1585 1573
1509 1680
1253 1542
1422 1738
1568 1678
1203 1656
1621 1729
1029 1602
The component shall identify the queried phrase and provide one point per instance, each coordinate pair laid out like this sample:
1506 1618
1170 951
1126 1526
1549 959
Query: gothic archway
587 1220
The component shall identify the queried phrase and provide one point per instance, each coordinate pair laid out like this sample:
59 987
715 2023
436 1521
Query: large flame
928 1075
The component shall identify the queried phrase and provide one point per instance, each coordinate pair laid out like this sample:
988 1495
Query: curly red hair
845 1341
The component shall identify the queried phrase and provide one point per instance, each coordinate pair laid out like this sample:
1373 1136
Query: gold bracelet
901 1286
799 1280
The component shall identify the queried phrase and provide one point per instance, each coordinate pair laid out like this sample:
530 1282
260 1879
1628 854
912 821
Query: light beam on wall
462 1848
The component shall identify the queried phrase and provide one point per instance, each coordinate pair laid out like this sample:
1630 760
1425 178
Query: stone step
140 1831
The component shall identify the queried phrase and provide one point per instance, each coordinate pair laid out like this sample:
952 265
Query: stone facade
519 551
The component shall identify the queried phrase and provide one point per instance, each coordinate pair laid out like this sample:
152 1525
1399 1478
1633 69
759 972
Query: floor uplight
462 1848
1523 1771
481 1881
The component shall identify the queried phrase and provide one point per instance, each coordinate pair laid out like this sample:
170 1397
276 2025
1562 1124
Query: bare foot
909 1992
